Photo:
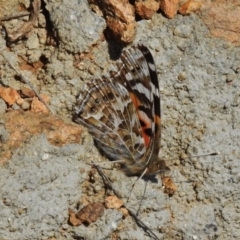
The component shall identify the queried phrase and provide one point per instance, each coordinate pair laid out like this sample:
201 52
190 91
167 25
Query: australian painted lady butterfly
123 113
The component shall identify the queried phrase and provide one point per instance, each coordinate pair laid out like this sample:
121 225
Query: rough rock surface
199 81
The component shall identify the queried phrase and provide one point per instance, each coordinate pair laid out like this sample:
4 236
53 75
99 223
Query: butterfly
122 113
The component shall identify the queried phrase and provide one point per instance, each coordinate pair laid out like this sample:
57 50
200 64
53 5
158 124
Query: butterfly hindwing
106 109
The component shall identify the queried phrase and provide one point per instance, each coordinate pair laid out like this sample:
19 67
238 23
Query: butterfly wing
156 97
138 75
105 108
123 112
154 163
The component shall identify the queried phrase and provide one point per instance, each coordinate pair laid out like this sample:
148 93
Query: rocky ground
45 156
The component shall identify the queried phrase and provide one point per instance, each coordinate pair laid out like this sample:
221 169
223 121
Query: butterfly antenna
197 156
100 163
117 161
25 80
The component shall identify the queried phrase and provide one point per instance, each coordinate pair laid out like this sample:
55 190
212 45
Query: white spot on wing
152 67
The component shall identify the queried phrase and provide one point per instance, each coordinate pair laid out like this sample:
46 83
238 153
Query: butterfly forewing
156 96
138 75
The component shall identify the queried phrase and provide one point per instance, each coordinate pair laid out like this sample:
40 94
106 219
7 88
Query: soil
40 179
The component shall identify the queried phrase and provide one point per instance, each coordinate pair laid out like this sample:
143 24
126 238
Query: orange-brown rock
9 95
113 202
189 6
119 9
120 18
169 186
124 32
38 106
23 125
27 92
73 220
90 213
169 7
145 9
222 19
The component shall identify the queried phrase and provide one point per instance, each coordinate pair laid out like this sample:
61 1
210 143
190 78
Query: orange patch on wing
137 103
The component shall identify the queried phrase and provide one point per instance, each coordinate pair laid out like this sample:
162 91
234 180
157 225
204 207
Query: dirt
199 85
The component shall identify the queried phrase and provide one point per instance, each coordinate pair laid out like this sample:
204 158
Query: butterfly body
122 113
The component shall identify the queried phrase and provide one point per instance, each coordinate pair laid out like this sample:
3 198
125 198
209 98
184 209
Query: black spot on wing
141 96
143 124
109 97
148 132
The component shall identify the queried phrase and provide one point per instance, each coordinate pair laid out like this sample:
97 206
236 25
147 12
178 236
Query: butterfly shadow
115 50
151 178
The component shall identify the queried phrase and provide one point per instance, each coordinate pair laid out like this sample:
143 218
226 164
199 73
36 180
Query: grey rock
77 26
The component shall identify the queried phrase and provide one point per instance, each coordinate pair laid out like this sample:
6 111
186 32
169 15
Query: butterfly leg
111 162
144 172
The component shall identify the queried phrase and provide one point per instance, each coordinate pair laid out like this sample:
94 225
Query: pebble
25 105
182 76
32 42
183 31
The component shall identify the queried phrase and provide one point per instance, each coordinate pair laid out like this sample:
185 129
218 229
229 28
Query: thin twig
197 156
20 15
